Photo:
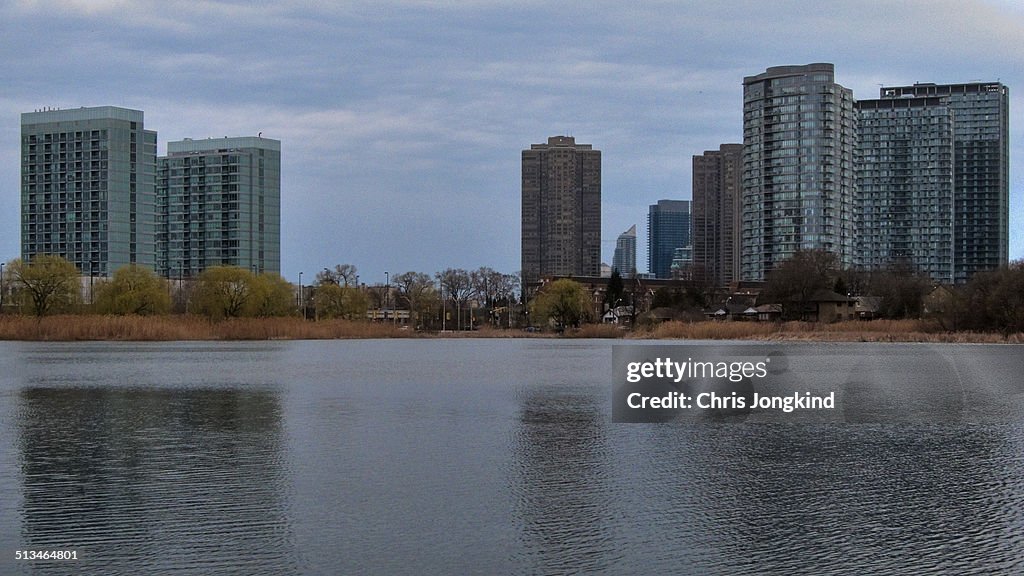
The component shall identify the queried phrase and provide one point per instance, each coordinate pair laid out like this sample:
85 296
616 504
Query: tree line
992 301
51 284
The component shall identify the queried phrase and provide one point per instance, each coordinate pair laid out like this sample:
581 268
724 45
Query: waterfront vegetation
230 303
192 327
185 327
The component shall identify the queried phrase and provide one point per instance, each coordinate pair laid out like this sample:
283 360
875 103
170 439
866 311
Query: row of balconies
66 136
48 246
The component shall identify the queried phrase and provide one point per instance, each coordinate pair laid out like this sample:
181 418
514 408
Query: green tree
334 301
133 290
223 291
45 285
564 302
270 295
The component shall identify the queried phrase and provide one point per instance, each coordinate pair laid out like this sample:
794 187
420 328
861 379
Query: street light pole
387 294
302 304
1 287
92 273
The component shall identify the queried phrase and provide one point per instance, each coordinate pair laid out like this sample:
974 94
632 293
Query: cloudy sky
402 121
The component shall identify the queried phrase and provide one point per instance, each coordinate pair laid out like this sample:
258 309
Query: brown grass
598 331
156 328
850 331
139 328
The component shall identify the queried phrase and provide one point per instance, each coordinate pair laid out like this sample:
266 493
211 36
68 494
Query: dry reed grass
850 331
712 330
156 328
598 331
146 328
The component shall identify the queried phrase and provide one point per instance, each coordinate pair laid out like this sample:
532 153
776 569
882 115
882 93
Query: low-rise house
768 312
618 315
867 307
939 301
732 310
828 306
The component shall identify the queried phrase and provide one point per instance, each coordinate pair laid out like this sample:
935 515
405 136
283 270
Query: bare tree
456 284
901 289
793 283
342 275
506 289
377 295
487 284
415 288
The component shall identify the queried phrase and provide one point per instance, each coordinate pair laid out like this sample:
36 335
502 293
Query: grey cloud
402 122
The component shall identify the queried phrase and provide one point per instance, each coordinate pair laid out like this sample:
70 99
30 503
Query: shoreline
78 328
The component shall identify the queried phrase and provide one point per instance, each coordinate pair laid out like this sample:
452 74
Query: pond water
478 456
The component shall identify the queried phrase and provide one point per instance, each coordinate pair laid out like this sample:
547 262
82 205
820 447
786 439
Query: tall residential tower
799 133
220 205
561 211
717 185
905 185
981 159
624 259
668 228
88 187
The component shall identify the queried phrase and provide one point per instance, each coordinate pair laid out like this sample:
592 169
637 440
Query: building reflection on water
491 456
559 481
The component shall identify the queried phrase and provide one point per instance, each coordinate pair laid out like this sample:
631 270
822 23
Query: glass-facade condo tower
561 217
668 228
88 187
981 189
624 258
799 133
220 205
905 185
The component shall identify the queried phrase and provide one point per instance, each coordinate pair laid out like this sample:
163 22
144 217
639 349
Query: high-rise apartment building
561 210
668 228
799 134
905 185
88 187
220 205
717 188
624 259
980 170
